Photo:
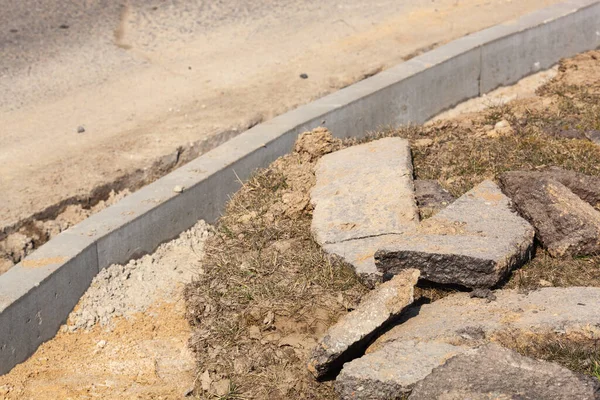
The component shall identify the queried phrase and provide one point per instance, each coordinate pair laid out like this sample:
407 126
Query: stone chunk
431 197
461 320
474 242
493 372
354 330
364 191
392 371
566 225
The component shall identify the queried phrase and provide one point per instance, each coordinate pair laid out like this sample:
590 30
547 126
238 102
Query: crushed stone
124 290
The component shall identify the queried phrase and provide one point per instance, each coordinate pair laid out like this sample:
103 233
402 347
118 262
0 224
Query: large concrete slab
393 370
363 196
493 372
461 320
364 191
352 332
474 242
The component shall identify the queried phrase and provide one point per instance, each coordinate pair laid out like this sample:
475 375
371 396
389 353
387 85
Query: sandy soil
153 84
127 338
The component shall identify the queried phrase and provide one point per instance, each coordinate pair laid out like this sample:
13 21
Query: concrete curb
37 295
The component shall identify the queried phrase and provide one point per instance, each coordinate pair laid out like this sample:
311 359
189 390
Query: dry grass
268 291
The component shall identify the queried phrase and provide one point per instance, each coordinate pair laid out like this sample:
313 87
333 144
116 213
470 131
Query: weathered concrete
565 224
364 191
431 197
493 372
353 331
474 242
461 320
587 187
411 92
393 370
363 195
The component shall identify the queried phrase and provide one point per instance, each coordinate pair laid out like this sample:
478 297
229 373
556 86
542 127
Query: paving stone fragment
565 224
353 331
461 320
493 372
474 242
362 193
431 197
393 370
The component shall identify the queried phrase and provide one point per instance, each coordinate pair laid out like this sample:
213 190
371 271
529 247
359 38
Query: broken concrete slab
474 242
363 195
354 330
493 372
431 197
360 254
461 320
364 191
393 370
565 224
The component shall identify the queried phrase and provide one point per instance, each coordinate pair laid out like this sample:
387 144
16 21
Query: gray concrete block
475 242
37 295
364 191
538 41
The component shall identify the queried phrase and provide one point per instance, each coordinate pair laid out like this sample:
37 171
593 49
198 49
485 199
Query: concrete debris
475 242
493 372
353 331
355 200
393 370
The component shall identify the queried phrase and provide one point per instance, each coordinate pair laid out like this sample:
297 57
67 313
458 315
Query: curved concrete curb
37 295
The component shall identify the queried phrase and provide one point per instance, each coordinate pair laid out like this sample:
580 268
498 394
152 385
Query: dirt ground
128 336
155 83
264 291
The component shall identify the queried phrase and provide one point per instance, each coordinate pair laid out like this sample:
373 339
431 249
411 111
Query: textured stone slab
431 197
492 372
461 320
360 254
565 224
393 370
353 331
364 191
474 242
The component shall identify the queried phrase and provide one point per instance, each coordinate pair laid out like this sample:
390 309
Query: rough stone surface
431 197
461 320
493 372
565 224
392 371
352 332
363 192
474 242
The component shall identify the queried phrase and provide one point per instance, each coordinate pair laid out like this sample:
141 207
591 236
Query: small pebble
304 76
80 129
178 189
